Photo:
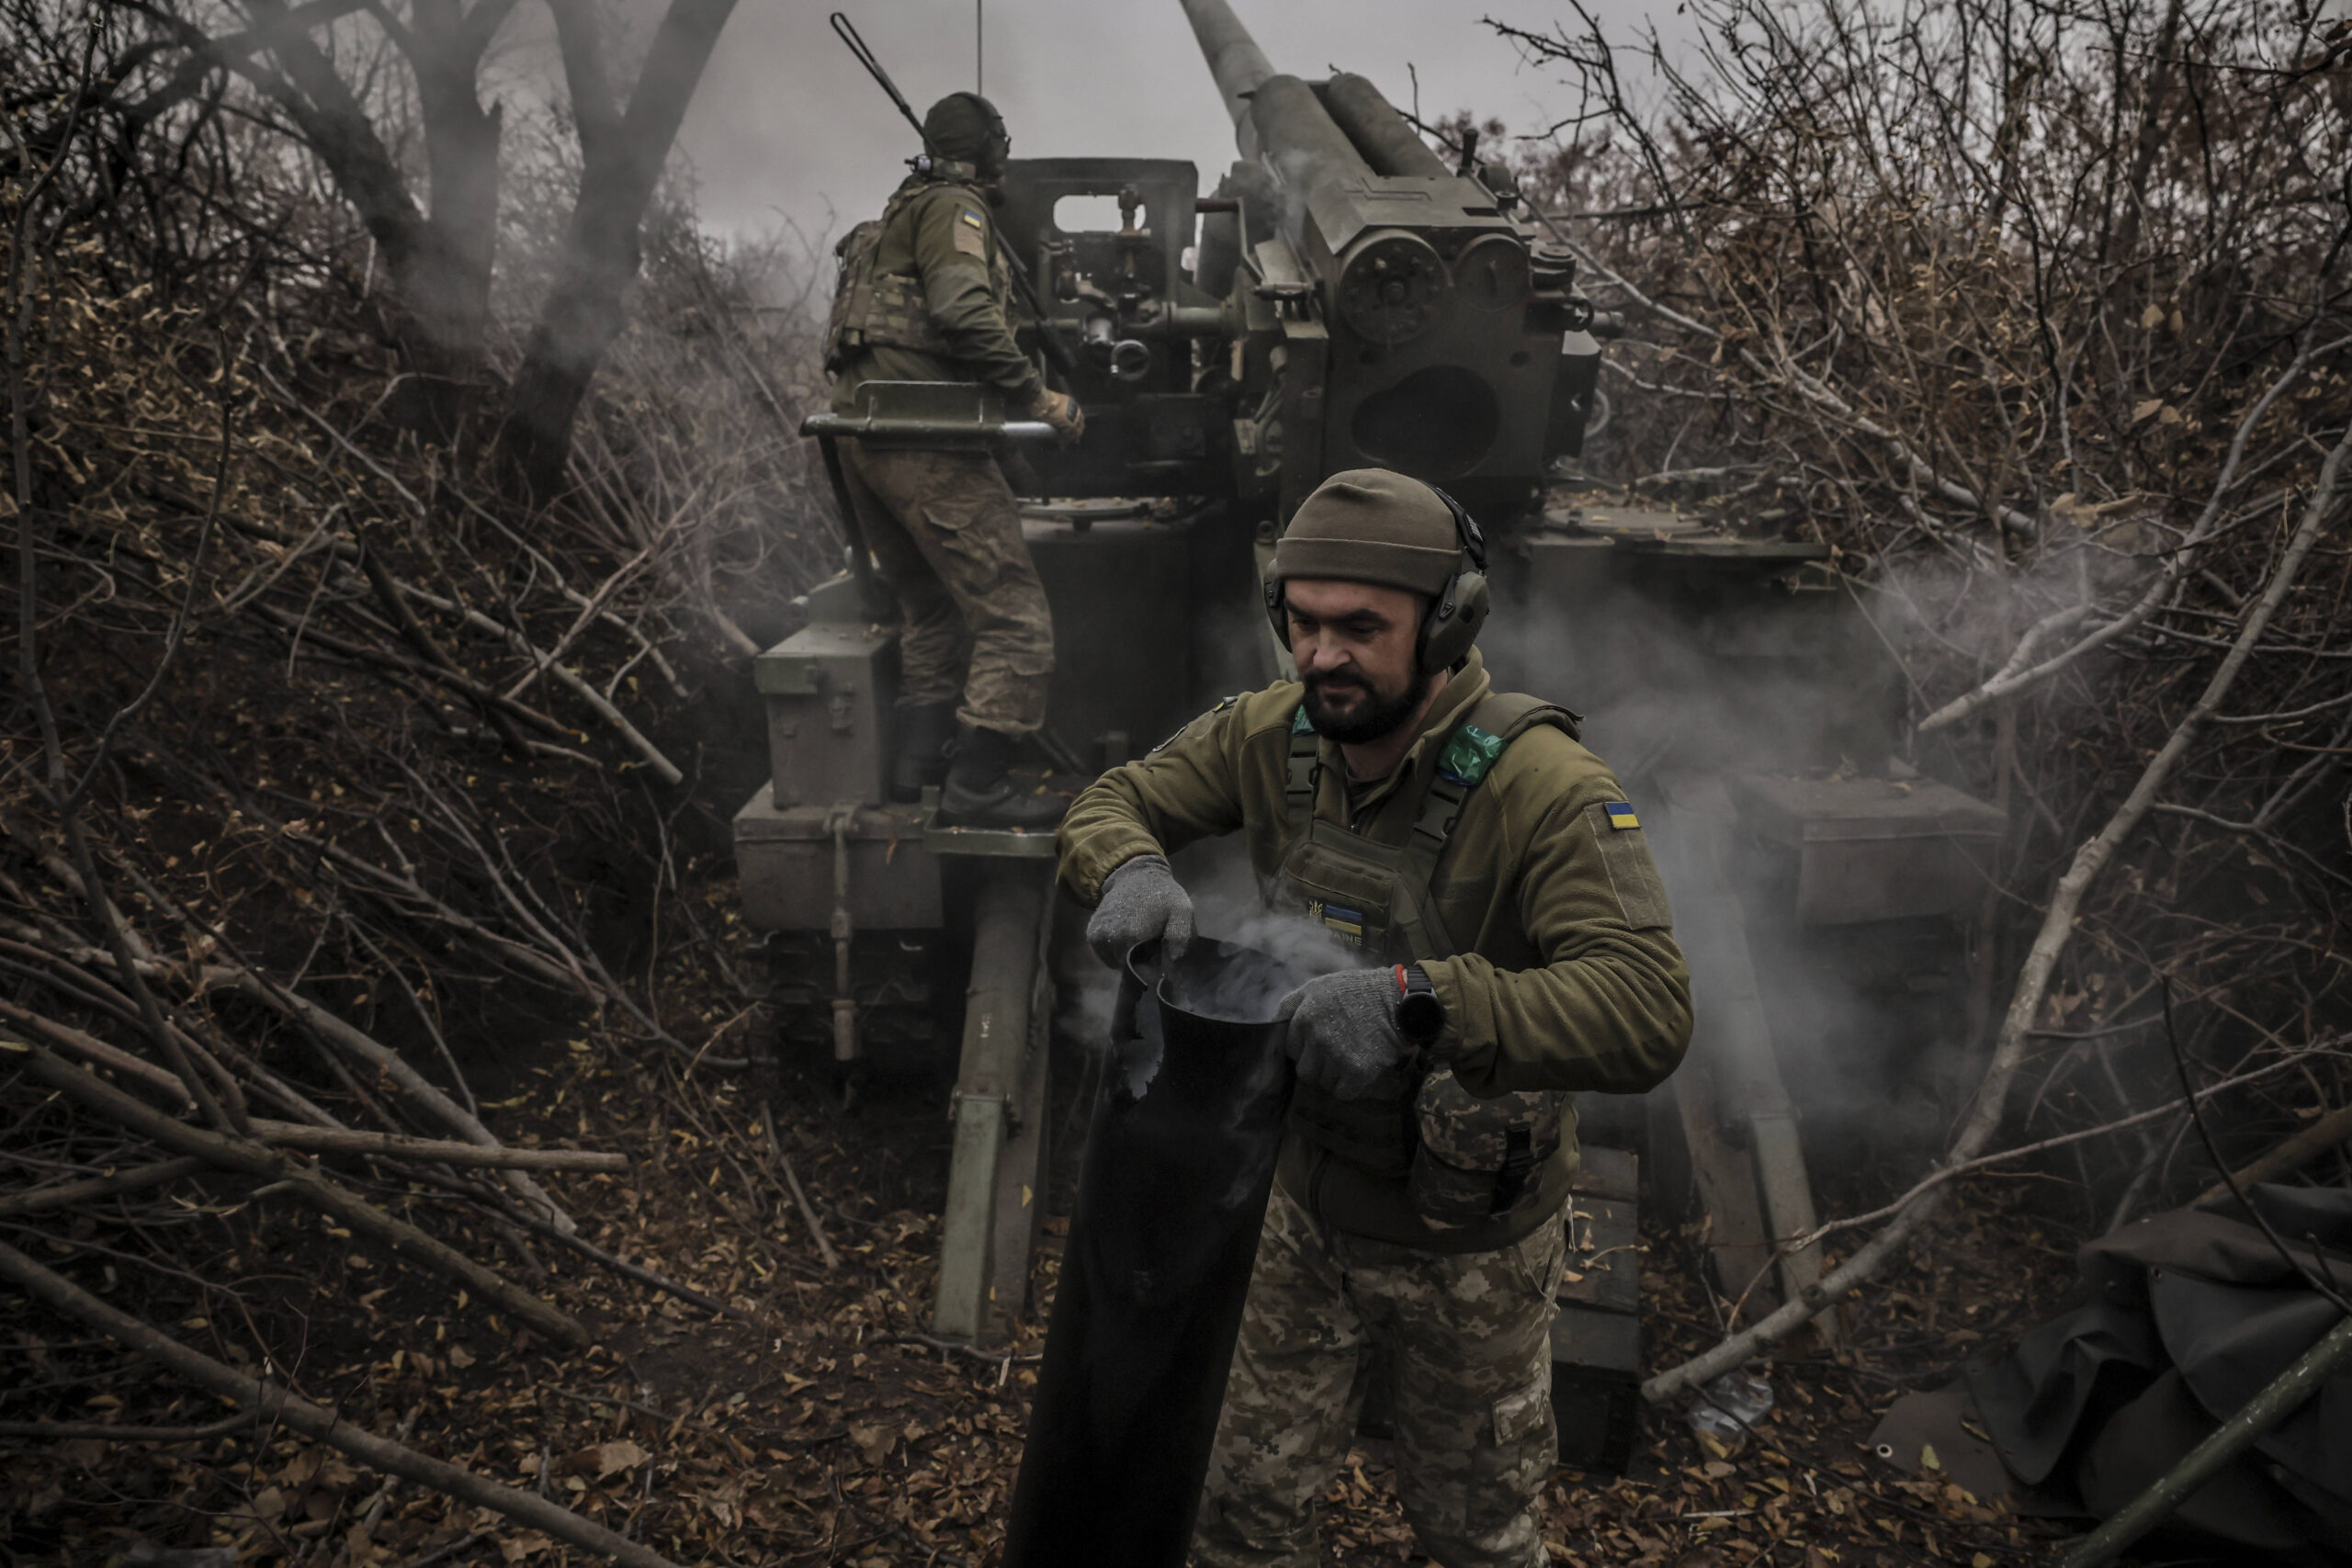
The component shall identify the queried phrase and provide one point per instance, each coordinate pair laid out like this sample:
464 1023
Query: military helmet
1373 525
966 128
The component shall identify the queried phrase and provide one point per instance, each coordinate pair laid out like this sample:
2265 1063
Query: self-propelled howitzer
1348 297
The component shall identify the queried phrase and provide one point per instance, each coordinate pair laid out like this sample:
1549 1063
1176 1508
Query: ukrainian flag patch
1620 815
1345 924
968 216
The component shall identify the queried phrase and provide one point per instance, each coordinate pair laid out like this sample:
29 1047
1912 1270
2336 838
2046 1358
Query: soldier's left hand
1342 1031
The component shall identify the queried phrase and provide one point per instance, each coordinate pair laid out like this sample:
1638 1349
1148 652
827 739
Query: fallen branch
648 1276
2292 1154
391 1064
792 1181
136 1179
341 1141
2285 1394
951 1348
565 676
1984 1113
396 1235
454 679
274 1401
90 1048
60 1431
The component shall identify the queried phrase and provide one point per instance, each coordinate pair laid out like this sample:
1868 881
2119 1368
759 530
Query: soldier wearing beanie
1509 945
923 296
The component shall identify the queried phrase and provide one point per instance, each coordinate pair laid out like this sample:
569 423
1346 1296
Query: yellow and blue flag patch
1345 924
969 235
1620 815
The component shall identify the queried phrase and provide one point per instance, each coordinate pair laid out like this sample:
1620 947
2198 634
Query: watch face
1420 1015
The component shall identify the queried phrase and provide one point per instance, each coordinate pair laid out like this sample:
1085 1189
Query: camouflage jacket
1566 975
932 303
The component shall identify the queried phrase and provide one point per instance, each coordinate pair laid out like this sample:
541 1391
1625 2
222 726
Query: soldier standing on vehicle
1492 868
922 296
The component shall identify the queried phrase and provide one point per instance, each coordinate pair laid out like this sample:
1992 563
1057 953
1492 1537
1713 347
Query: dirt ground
820 1427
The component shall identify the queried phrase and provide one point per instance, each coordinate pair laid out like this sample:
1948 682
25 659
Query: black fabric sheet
2180 1320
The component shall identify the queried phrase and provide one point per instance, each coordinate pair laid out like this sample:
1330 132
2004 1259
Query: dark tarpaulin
1179 1161
2182 1318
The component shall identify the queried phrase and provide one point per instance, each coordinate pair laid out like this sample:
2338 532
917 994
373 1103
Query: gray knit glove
1141 900
1343 1032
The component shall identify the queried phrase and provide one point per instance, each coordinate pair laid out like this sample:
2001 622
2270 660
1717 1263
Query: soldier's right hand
1061 411
1141 900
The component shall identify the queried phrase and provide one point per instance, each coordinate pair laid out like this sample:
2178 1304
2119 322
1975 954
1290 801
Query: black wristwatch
1420 1017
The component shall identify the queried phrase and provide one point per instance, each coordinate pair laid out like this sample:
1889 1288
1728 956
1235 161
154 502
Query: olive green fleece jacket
1566 975
945 235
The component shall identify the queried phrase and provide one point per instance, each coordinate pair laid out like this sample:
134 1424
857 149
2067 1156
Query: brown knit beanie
1372 526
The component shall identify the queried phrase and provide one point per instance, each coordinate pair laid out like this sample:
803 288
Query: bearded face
1356 646
1349 707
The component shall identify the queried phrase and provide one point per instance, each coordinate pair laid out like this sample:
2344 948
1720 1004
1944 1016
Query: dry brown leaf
874 1441
606 1458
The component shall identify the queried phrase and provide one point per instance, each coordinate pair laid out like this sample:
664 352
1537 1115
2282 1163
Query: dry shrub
2038 314
334 788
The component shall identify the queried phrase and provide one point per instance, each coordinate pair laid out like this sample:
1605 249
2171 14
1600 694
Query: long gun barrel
1373 123
1422 328
1235 60
1276 116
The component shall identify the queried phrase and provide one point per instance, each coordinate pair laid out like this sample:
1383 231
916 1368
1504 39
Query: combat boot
981 791
919 761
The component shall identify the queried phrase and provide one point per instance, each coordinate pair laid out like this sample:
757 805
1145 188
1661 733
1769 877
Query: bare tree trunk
446 289
440 260
622 159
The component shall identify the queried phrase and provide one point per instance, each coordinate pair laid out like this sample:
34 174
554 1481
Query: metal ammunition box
1869 848
830 688
784 857
1597 1338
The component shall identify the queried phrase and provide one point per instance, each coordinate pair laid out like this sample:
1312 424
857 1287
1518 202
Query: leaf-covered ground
831 1431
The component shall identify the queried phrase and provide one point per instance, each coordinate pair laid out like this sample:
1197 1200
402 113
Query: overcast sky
787 124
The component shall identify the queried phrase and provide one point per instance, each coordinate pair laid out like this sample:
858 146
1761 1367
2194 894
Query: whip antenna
846 30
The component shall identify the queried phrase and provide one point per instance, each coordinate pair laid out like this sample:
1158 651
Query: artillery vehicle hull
1345 298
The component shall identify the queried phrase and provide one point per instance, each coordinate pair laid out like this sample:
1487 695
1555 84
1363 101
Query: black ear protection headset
1452 624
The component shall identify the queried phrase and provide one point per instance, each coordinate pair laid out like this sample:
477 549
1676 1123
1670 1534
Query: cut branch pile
337 783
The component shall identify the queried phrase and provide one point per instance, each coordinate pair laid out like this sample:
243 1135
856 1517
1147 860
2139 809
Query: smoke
1691 684
1279 954
1226 907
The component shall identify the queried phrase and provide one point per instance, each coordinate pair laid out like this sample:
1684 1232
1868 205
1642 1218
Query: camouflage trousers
1468 1340
945 534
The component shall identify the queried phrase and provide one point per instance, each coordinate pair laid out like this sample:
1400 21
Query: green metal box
784 859
828 689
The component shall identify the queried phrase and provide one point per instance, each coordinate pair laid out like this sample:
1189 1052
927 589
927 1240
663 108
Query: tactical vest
1462 1158
873 309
